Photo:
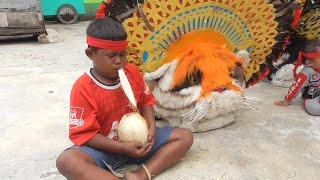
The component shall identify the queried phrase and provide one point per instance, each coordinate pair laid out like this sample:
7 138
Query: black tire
67 14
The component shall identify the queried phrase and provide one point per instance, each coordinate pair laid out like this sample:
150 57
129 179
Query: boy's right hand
282 103
136 149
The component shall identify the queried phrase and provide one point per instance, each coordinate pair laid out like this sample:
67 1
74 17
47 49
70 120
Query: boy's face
314 63
107 62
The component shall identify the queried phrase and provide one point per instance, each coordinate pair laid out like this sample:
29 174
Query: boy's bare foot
139 174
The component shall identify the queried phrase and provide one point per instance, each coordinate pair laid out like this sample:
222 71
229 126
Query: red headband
311 55
107 44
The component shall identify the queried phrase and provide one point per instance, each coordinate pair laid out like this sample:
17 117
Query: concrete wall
20 17
23 5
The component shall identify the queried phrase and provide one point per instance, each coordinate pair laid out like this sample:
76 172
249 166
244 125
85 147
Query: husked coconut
133 128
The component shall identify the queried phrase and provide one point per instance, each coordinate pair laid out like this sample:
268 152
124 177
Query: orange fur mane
213 61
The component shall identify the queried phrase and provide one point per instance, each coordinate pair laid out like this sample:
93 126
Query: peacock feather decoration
238 25
309 26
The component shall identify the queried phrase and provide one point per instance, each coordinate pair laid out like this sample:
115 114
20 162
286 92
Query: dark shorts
107 160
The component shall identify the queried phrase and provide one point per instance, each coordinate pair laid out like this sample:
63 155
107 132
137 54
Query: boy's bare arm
294 90
148 113
106 144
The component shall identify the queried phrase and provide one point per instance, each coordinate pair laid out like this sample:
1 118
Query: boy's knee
188 137
312 108
313 112
184 135
69 160
64 162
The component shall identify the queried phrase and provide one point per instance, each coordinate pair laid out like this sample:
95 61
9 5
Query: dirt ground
267 143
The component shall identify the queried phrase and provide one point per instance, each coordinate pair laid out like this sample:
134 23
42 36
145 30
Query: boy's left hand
282 103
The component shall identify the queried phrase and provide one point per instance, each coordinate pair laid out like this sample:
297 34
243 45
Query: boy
308 80
98 102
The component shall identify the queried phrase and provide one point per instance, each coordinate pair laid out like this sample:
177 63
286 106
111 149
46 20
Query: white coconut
133 128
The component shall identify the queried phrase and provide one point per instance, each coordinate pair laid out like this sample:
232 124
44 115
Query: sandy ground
268 143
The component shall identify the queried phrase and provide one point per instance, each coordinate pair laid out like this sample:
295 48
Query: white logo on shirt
75 116
113 134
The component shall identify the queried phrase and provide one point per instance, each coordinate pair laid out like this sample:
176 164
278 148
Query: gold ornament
309 25
237 24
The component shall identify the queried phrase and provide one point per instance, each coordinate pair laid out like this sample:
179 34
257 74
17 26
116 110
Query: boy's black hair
311 45
106 29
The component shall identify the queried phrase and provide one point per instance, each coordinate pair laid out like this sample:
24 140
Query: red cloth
296 87
96 108
296 17
107 44
101 12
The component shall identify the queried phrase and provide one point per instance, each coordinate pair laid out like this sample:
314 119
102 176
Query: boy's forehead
112 51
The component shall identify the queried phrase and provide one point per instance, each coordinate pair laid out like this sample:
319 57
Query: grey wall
21 5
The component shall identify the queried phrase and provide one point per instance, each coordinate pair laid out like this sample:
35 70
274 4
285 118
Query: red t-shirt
98 108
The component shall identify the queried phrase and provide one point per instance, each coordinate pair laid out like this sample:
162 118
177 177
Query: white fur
282 59
176 100
165 74
190 90
239 84
284 76
225 102
186 108
165 82
206 111
245 55
158 73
